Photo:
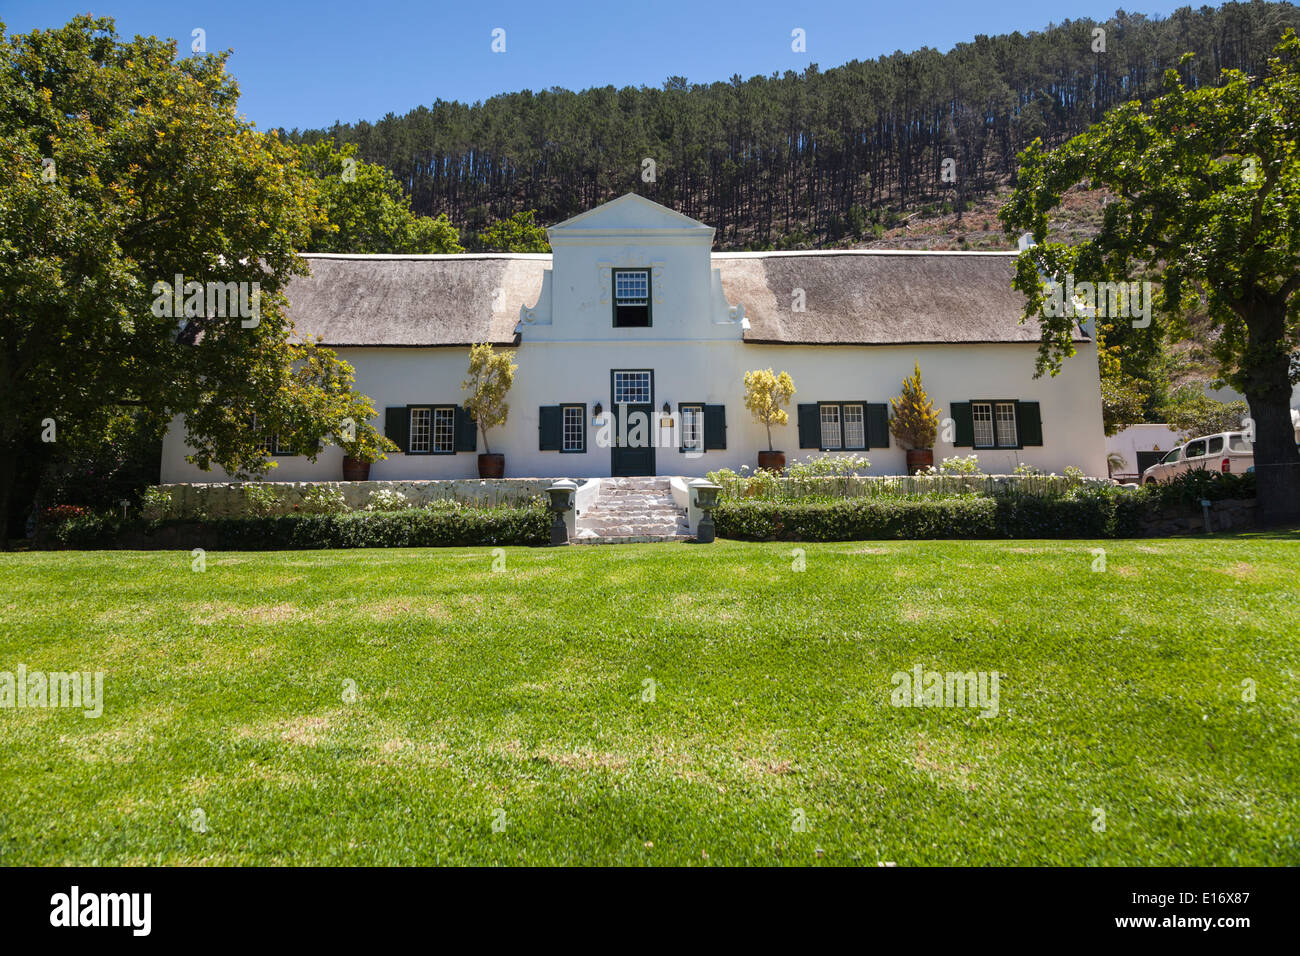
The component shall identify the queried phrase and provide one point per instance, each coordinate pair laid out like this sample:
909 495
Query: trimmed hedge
855 519
1100 514
412 528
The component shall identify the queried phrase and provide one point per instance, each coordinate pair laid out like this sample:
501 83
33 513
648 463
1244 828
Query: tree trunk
8 471
1268 390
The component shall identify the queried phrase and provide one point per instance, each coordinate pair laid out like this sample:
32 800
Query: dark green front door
632 402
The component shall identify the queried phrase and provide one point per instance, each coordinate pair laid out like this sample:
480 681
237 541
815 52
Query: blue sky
308 64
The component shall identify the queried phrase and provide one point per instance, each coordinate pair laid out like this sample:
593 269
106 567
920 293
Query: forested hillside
804 158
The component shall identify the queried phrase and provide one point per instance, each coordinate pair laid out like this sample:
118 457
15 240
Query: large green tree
1206 192
519 233
365 209
121 168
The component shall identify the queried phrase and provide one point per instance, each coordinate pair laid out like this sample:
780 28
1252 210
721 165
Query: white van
1226 453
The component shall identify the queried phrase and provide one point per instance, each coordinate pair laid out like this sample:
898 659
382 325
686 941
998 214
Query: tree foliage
365 209
915 422
121 167
766 394
519 233
1192 413
1206 187
491 374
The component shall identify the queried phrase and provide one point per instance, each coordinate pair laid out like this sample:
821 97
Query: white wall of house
711 372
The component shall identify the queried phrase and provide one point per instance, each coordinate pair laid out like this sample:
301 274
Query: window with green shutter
844 426
397 426
691 430
1030 423
573 429
550 428
431 429
466 430
715 427
996 423
810 426
878 425
963 427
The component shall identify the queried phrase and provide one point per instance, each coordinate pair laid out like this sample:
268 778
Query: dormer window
631 298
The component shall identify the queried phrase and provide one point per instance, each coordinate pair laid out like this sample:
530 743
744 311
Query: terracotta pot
491 466
918 458
772 460
354 469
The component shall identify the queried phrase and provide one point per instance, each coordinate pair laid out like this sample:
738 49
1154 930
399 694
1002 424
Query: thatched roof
414 300
876 298
851 298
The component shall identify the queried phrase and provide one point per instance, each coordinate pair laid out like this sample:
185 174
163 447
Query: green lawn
522 690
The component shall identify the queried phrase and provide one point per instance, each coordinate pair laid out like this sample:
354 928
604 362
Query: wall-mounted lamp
668 409
597 409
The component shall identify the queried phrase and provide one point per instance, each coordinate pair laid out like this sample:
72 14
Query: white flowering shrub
323 500
387 499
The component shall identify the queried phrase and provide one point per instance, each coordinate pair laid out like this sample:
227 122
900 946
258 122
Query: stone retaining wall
227 499
1230 514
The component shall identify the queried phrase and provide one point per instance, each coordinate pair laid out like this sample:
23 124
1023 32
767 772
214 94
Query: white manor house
634 319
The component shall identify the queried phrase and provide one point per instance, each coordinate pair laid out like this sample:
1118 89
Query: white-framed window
631 388
444 431
574 430
421 435
280 448
981 414
1005 415
692 428
831 437
855 435
632 287
631 298
843 425
994 424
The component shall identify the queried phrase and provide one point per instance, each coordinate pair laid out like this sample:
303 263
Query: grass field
502 716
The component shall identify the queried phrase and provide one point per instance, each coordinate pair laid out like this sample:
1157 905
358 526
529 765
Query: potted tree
915 423
490 376
362 446
766 393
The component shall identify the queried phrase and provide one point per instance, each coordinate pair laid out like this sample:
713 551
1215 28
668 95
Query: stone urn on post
561 494
915 422
490 376
706 499
766 394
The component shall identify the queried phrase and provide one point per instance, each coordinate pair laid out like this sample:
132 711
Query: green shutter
877 424
550 428
715 427
1029 423
397 425
964 425
466 430
810 427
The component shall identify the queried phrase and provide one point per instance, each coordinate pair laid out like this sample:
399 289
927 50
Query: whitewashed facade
633 307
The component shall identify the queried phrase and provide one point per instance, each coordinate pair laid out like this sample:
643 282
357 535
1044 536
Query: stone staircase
628 510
